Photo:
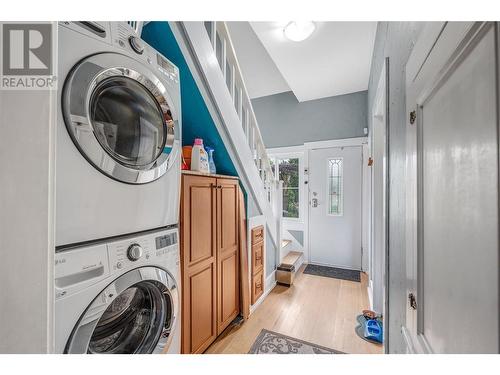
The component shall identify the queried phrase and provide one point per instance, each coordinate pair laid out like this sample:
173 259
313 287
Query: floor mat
360 329
269 342
335 273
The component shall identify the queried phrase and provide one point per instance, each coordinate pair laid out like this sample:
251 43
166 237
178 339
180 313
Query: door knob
314 202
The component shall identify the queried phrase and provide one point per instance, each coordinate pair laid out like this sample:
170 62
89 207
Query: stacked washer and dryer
117 275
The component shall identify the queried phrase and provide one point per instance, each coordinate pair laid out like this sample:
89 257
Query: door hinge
412 300
413 117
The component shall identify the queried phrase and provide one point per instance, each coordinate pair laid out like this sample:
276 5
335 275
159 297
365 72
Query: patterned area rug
335 273
269 342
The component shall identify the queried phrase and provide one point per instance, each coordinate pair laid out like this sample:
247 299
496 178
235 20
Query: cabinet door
198 255
227 252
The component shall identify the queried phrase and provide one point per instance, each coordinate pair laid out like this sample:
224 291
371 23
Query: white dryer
118 134
119 297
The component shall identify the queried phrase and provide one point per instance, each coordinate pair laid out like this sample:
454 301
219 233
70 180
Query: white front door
335 206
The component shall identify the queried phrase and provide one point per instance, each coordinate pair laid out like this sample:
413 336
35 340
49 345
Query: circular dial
134 252
136 44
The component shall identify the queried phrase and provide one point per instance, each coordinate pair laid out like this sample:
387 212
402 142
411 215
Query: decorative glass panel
335 187
289 173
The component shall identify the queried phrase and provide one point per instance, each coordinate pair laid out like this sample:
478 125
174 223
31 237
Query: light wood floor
317 309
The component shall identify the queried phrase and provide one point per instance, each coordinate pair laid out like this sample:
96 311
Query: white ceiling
262 77
335 60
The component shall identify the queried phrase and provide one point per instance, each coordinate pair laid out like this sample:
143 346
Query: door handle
314 202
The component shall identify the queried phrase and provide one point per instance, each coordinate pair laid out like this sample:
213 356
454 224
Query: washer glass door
134 314
121 118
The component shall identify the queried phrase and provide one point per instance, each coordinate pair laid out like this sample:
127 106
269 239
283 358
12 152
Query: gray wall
283 121
395 40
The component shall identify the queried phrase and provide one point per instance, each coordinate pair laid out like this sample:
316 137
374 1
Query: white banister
212 59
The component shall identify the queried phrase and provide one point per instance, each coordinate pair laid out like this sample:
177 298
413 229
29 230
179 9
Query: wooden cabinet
257 262
209 258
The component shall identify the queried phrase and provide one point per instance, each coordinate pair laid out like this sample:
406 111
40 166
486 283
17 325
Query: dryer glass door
127 121
135 314
122 118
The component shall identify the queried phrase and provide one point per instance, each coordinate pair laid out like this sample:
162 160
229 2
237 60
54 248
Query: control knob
134 252
136 44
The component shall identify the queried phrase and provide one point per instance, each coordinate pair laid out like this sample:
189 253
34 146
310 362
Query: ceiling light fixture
298 31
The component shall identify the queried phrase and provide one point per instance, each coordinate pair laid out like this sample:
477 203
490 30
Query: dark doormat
335 273
269 342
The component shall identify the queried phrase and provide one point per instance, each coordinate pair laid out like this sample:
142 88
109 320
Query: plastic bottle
211 163
199 157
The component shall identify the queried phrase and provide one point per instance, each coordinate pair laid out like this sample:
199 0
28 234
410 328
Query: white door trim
379 111
357 141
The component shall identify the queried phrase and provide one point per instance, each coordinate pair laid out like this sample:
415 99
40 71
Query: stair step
285 243
291 258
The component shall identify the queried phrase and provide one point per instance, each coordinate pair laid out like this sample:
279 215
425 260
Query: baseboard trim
370 294
270 284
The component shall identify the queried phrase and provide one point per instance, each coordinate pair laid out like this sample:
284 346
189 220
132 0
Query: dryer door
121 118
134 314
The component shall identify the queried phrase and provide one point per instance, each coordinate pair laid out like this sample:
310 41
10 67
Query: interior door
199 266
335 180
227 252
453 192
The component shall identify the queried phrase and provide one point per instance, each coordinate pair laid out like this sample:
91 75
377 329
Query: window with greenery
288 170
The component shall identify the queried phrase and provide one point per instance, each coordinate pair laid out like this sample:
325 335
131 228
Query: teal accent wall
196 119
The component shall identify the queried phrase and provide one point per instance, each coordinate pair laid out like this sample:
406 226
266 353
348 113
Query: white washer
118 134
119 297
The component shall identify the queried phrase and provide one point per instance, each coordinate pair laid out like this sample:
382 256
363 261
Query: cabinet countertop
196 173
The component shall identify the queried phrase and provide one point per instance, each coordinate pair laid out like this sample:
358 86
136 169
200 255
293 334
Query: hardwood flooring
317 309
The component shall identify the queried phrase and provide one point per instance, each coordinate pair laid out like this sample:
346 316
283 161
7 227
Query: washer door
121 118
134 314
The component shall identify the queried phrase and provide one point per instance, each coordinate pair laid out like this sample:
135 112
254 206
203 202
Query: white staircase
210 55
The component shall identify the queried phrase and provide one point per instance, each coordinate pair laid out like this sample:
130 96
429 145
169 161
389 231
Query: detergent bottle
199 157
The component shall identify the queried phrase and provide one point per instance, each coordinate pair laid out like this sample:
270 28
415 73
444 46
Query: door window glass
127 121
133 322
335 187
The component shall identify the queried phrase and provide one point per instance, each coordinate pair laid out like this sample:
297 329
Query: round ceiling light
299 31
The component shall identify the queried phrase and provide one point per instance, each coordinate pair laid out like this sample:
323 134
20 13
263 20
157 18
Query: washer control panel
77 268
138 250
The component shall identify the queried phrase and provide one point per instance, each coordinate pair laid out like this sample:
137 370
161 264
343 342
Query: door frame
347 142
300 223
380 109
